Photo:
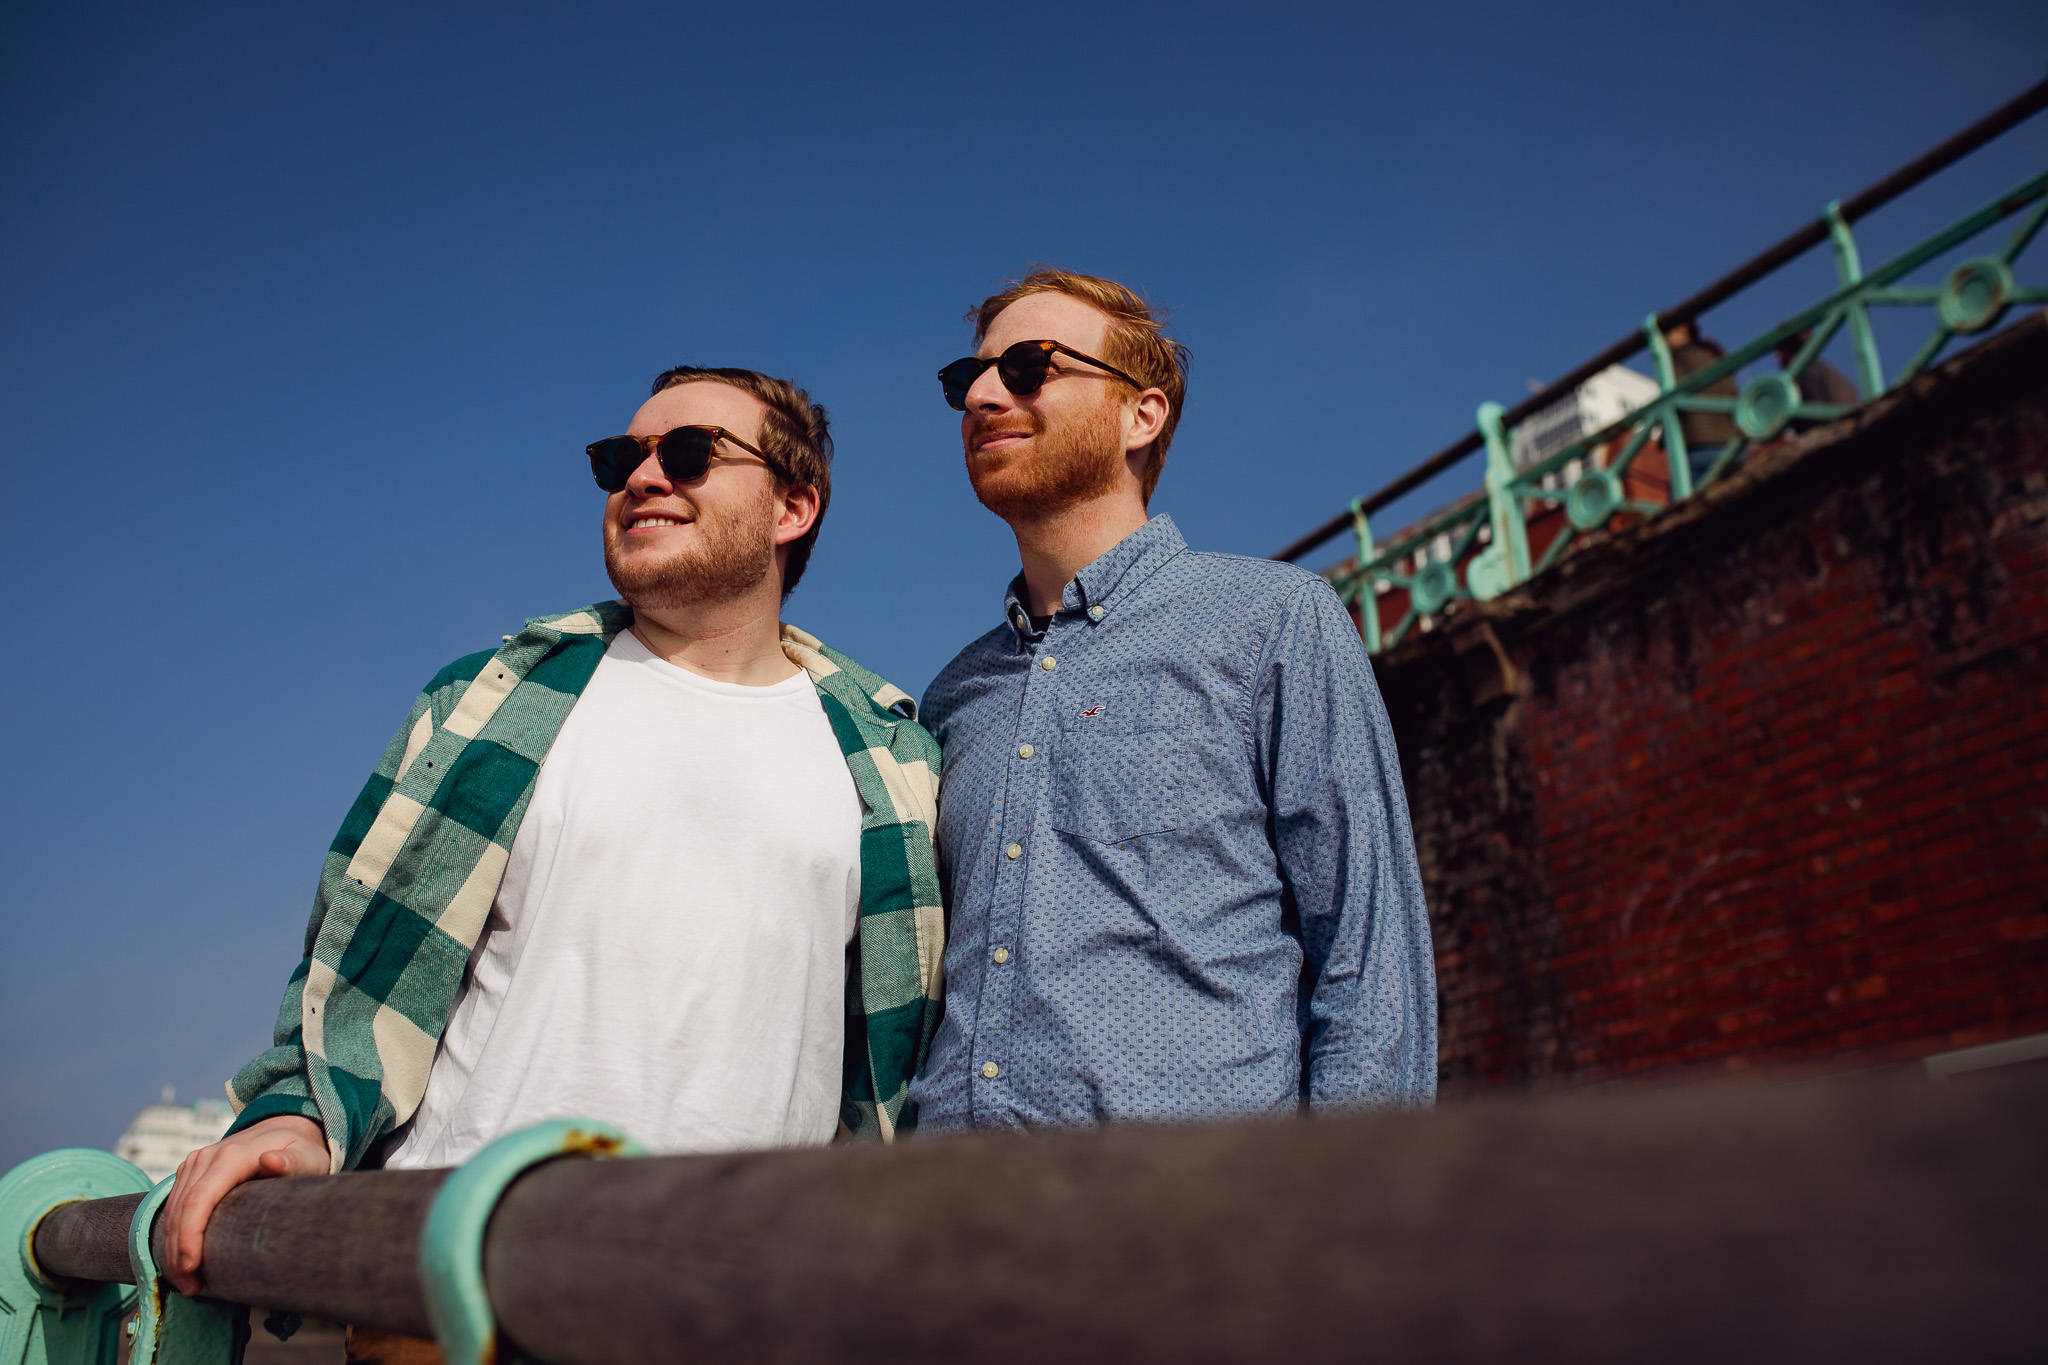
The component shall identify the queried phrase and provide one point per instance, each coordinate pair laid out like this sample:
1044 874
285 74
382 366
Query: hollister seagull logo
1093 711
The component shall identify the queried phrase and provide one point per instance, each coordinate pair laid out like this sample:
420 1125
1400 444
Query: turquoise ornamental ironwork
1361 530
1505 560
43 1322
1480 547
452 1244
171 1329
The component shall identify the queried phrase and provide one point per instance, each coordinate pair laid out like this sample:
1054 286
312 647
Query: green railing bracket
1593 499
1849 273
1368 602
1676 457
1432 588
1504 562
1975 295
1766 405
43 1322
1475 551
171 1329
452 1245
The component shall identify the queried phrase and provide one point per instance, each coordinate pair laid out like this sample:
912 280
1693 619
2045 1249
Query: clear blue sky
309 310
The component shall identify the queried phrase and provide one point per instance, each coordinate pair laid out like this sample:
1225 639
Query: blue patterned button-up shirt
1180 872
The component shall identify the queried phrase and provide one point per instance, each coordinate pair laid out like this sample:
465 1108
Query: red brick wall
1763 783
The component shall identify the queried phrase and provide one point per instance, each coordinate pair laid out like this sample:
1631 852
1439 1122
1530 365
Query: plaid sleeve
277 1081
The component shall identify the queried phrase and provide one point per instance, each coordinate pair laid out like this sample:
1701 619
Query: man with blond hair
1180 874
664 862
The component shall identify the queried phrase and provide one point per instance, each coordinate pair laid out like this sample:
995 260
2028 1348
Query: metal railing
1531 514
1862 1219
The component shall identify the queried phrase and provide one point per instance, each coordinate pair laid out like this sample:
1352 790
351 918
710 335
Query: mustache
1008 426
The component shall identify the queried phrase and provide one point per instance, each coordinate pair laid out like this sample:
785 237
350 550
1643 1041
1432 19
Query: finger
228 1168
188 1174
309 1157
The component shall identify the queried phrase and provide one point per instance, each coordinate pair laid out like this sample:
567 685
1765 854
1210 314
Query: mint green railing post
1675 453
1849 270
1368 600
1510 547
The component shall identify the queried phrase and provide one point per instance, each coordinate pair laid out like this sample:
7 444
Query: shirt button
1002 955
1025 751
1095 612
989 1071
1048 663
1014 851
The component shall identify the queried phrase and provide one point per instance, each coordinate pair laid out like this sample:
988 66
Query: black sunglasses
1022 368
685 453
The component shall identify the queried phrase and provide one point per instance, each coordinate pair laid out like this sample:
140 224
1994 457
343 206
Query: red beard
1079 461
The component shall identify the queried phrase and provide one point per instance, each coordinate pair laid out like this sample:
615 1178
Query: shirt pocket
1112 786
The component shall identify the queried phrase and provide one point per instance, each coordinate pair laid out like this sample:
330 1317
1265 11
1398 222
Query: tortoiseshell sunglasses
1022 368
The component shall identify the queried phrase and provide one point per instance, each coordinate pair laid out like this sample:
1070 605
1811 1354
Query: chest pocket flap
1119 766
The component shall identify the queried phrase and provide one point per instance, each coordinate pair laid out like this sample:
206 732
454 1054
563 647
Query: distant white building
1604 399
164 1134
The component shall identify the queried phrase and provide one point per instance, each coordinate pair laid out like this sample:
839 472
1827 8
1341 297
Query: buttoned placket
1032 750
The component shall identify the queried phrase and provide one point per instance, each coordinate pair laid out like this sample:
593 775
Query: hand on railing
286 1145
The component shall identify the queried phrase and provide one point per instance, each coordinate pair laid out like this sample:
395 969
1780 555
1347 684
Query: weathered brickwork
1762 783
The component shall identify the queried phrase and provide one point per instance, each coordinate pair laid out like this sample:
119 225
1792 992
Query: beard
1078 462
733 552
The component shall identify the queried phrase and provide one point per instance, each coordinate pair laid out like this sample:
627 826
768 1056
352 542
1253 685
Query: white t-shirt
667 952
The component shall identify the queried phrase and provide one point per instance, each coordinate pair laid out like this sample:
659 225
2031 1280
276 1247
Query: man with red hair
1181 878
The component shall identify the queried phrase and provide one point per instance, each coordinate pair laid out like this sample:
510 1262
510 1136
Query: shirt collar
1114 575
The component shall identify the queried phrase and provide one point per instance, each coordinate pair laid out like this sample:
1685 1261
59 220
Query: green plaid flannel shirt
410 879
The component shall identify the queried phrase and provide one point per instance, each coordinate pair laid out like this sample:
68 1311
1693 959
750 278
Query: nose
650 480
987 394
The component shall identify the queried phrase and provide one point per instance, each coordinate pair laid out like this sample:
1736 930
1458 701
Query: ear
1148 419
797 513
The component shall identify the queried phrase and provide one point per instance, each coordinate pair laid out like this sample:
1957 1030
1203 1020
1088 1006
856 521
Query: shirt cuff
269 1107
